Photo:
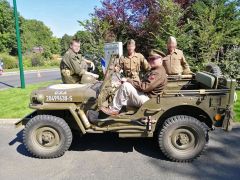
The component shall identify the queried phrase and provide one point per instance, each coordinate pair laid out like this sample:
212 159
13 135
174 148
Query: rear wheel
47 136
182 138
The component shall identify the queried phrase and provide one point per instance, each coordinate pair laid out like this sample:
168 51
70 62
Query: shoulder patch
152 77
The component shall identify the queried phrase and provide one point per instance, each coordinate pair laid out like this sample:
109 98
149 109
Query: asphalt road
8 80
105 156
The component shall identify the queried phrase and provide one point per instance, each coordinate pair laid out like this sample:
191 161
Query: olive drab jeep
180 117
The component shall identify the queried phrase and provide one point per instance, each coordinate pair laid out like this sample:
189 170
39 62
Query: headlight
37 99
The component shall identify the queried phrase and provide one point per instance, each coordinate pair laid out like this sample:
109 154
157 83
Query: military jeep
180 117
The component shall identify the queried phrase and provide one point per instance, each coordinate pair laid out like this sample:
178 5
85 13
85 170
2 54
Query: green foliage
33 34
206 32
7 30
237 108
37 60
10 62
169 14
64 43
230 62
55 45
30 60
97 31
37 34
215 25
85 39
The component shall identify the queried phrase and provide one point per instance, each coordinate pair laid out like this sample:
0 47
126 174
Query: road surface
12 79
105 156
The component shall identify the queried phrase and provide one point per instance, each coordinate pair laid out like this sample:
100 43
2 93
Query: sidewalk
8 121
29 71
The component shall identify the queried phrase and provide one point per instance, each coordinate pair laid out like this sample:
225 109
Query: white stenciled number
59 98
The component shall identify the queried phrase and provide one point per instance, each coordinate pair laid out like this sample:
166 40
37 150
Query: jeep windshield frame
107 82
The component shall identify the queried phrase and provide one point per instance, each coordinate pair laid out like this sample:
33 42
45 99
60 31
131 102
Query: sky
60 16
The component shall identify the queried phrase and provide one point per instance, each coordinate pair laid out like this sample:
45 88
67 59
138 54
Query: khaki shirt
153 82
133 66
72 67
176 63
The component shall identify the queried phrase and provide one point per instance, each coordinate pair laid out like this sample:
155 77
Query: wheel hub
183 139
47 137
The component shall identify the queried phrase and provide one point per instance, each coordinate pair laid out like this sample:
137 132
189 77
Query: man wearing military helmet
136 93
133 63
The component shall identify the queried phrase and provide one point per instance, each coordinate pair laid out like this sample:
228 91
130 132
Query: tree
37 34
84 37
127 17
55 45
138 19
215 27
94 38
7 28
65 42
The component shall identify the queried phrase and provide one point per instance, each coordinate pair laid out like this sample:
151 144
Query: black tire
214 69
47 136
182 138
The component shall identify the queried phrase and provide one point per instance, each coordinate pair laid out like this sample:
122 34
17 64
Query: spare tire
214 69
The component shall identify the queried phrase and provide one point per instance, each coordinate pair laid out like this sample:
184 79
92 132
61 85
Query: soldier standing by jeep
175 62
73 66
133 63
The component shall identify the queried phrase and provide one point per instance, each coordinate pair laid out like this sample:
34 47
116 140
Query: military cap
154 54
131 42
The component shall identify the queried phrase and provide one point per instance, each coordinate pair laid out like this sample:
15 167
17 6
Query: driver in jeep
136 93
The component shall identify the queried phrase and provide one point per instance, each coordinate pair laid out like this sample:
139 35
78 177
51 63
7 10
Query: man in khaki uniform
73 66
136 93
133 63
175 62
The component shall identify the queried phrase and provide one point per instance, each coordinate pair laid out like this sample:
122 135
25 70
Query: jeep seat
205 79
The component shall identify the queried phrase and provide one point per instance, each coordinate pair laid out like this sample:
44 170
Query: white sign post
110 49
115 48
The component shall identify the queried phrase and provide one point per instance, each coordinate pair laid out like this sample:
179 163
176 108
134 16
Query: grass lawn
237 108
14 102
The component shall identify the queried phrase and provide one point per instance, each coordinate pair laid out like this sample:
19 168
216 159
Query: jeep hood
64 93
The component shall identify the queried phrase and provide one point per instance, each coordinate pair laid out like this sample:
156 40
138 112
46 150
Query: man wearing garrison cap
136 93
175 62
133 63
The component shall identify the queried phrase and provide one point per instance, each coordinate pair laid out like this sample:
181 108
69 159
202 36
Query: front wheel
47 136
182 138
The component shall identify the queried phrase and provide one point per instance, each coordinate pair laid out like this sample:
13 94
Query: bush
27 61
52 63
10 62
230 63
37 60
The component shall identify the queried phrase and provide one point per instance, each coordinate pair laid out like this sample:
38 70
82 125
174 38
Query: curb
8 121
29 71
